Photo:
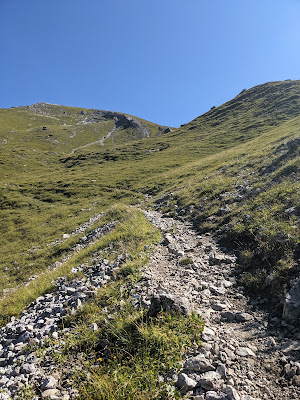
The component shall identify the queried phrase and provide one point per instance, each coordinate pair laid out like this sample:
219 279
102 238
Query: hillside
68 176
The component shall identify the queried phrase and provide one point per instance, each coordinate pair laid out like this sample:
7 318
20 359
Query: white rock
94 327
208 334
245 352
55 335
185 383
210 380
49 383
49 393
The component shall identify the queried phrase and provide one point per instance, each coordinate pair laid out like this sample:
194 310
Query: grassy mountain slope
229 170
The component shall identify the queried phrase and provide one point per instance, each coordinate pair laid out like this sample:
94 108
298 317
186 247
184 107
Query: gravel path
245 355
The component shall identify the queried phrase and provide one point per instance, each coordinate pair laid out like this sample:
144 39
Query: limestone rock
245 352
198 363
210 380
208 334
243 317
212 395
185 383
164 302
49 383
49 393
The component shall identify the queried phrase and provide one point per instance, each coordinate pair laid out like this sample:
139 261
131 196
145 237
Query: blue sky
167 61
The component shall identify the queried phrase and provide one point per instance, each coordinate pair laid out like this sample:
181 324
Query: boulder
165 302
208 334
198 363
185 383
245 352
210 380
243 317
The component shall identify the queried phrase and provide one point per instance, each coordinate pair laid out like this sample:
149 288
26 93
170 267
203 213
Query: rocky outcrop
121 121
164 302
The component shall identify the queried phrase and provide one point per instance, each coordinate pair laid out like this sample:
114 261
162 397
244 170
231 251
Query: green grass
128 221
45 191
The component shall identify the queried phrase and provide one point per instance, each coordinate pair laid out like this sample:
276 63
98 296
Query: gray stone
3 362
228 315
243 317
219 306
296 380
221 370
28 368
291 305
245 352
231 393
290 345
164 302
210 380
208 334
49 383
49 393
212 395
198 363
185 383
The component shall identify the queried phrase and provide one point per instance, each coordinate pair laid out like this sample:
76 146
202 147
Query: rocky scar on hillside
97 116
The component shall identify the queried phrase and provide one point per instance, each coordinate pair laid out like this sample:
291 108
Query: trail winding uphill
245 355
100 141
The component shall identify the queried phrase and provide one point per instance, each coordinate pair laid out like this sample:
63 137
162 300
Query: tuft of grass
185 261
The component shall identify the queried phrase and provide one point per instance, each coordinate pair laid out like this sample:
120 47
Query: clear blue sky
167 61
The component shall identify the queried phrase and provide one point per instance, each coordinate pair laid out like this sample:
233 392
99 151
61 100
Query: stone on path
210 380
208 334
243 317
198 363
232 394
165 302
185 383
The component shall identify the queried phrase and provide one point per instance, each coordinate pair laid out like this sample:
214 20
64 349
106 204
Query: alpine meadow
141 261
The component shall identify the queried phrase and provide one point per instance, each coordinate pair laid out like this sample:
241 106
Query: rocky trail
245 354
